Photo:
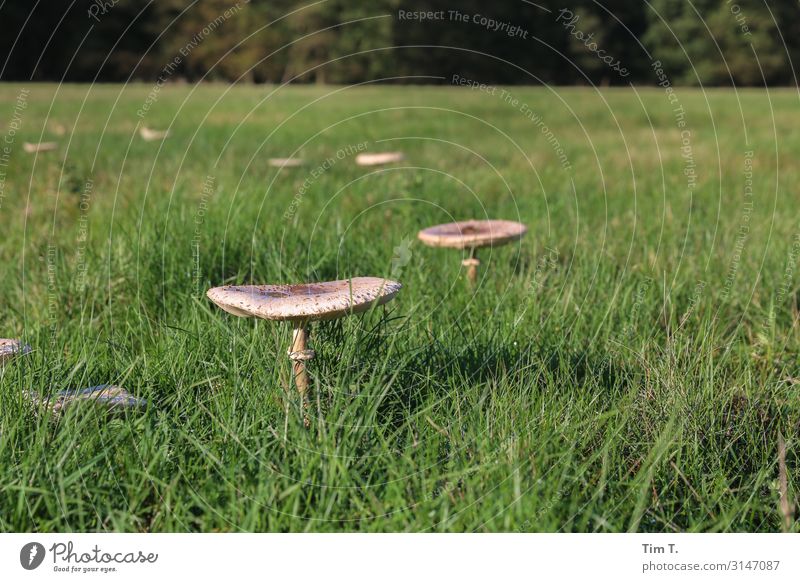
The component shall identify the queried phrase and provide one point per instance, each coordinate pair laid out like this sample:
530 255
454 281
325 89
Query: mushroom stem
299 353
472 266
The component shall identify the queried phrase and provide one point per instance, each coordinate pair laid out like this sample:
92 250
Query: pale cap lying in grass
33 148
380 158
473 234
307 301
286 162
152 134
10 348
108 395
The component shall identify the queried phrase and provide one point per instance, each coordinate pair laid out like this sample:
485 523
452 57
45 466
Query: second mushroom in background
470 235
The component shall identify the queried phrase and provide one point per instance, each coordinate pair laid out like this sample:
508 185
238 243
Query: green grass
628 366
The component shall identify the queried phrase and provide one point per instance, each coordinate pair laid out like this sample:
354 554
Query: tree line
603 42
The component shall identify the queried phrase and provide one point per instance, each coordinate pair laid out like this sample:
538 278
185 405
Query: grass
629 366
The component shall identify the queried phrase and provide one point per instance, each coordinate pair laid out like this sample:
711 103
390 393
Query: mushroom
472 235
10 348
114 397
302 304
152 134
286 162
378 159
33 148
57 128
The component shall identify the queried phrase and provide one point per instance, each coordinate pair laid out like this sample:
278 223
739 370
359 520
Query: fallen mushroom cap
12 347
305 302
152 134
108 394
378 159
472 234
32 148
285 162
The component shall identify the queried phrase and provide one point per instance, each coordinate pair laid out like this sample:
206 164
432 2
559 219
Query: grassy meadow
630 365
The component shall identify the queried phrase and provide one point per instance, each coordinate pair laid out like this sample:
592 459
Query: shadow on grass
434 373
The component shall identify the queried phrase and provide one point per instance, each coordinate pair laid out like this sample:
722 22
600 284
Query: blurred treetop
713 42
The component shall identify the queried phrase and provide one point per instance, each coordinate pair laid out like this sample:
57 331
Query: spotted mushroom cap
379 158
12 347
307 301
473 234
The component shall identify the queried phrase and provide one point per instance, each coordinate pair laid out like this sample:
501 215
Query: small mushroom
33 148
302 304
472 235
114 397
57 128
379 159
286 162
153 134
10 348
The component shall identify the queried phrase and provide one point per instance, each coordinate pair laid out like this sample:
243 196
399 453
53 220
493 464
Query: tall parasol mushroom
472 235
302 304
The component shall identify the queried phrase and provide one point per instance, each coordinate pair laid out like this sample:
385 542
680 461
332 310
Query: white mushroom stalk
299 354
301 305
470 235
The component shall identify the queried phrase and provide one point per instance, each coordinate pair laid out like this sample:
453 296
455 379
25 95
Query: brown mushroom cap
473 234
12 347
380 158
285 162
307 301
